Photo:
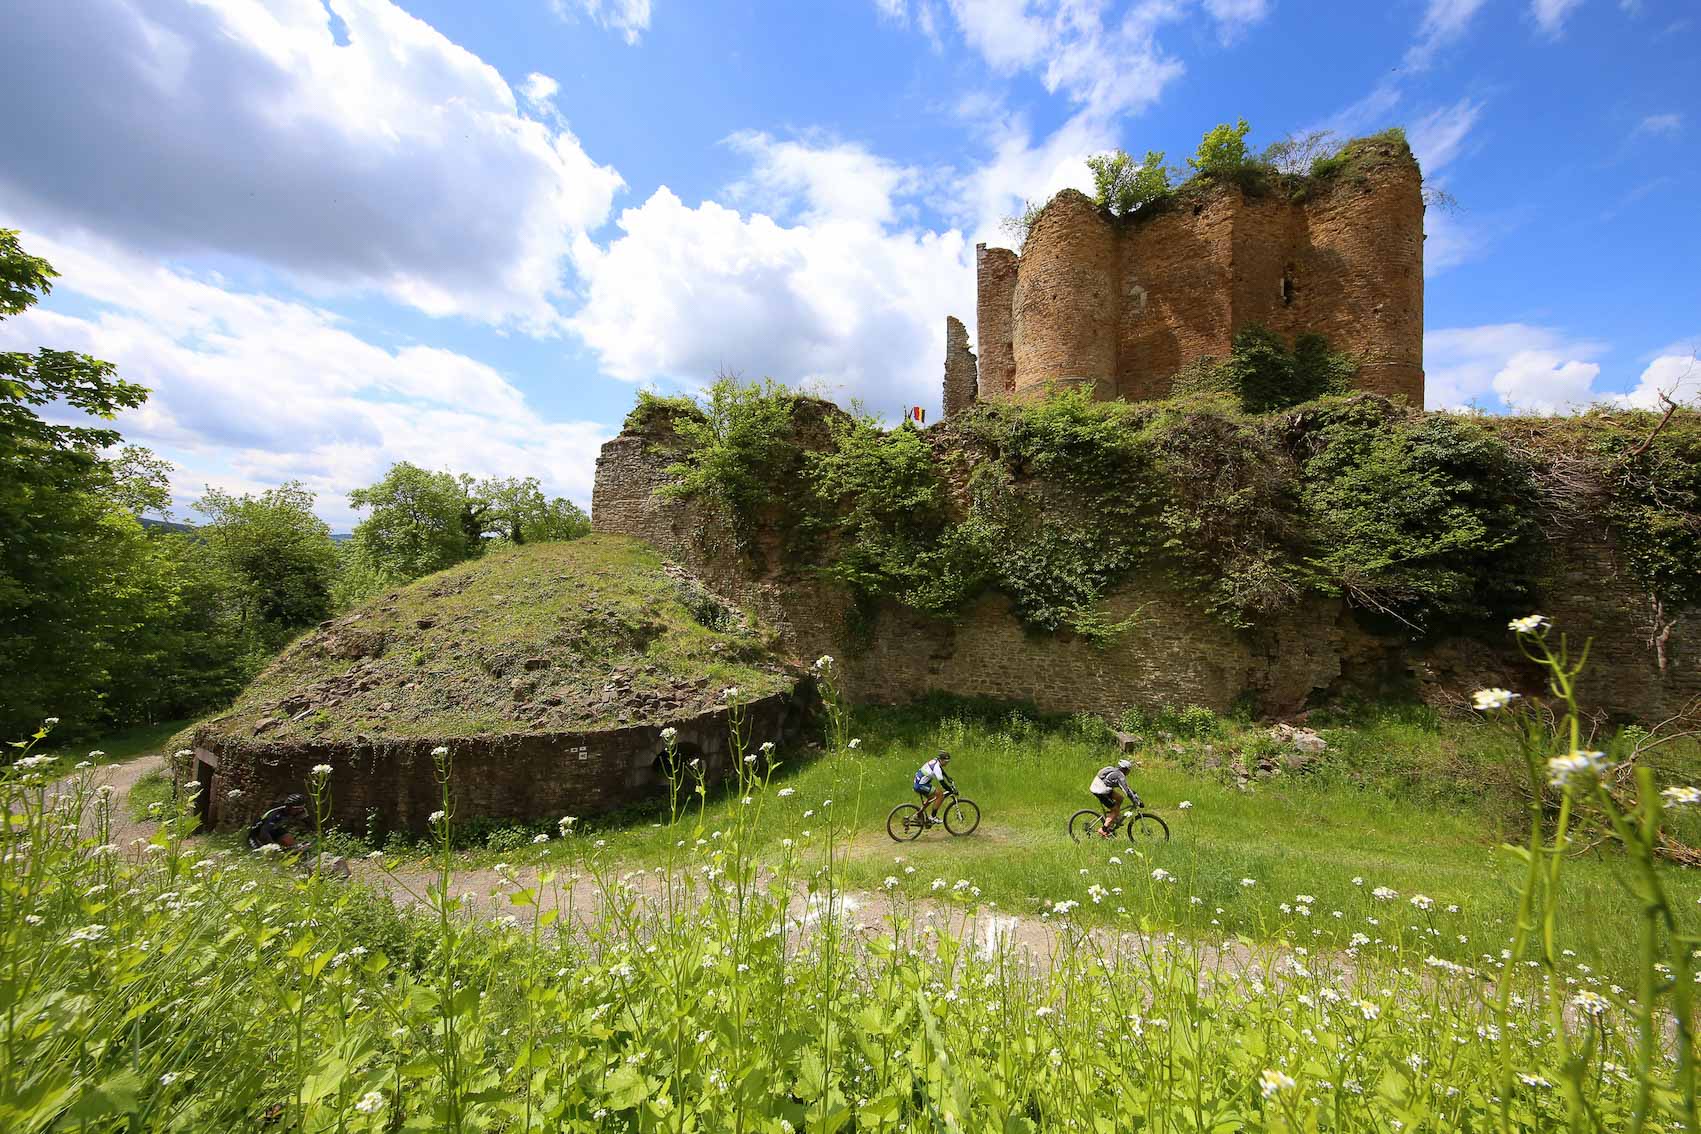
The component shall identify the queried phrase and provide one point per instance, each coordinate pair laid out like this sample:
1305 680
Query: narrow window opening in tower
1287 286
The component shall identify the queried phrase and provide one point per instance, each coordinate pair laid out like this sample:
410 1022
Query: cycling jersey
929 774
1110 778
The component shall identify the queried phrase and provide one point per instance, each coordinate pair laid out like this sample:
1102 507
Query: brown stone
1120 305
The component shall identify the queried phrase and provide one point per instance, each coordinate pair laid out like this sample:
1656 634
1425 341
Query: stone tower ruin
1118 305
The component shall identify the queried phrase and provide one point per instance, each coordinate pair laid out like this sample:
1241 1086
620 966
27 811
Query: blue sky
333 234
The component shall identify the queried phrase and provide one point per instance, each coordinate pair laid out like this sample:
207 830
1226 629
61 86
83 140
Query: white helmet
1123 765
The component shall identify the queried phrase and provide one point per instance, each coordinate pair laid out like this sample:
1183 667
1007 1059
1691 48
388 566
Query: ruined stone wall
1177 271
995 297
960 374
1176 653
528 777
1066 300
1122 305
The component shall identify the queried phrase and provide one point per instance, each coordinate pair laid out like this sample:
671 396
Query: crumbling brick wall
527 777
961 378
1120 305
1176 653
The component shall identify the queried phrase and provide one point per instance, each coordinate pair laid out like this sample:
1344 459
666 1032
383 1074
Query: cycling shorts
1107 799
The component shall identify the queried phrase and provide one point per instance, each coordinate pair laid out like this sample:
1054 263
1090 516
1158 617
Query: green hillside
593 633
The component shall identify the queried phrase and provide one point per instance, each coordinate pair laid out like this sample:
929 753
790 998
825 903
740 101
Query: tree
1124 187
418 522
516 510
280 552
421 522
1296 154
1222 151
65 542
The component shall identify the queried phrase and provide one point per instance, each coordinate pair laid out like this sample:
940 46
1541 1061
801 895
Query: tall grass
154 988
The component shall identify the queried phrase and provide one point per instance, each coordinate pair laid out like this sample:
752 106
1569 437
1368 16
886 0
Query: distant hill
173 526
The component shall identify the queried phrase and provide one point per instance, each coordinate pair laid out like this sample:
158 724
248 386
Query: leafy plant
1123 186
1222 151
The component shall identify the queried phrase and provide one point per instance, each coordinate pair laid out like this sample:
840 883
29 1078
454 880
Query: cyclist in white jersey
1111 787
931 783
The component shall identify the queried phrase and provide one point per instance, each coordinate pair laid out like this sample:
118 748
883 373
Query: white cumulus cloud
344 142
250 390
844 296
1515 364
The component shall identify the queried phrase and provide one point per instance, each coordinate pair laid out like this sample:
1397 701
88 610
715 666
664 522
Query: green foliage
1229 513
1222 151
1123 186
1018 225
279 551
739 451
1657 511
97 619
653 410
417 522
881 495
1267 376
1417 518
421 522
1058 515
1298 154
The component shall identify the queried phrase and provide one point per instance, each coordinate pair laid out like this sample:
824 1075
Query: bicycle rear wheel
904 823
1085 824
1147 828
962 816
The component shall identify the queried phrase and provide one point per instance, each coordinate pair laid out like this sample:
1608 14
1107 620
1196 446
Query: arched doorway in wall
665 766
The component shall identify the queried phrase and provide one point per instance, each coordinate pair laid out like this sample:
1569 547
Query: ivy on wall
1419 519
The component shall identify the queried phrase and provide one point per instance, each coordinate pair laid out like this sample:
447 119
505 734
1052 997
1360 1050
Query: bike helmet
295 800
944 756
1123 765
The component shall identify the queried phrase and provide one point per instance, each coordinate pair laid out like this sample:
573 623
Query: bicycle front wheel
1085 824
962 816
1148 828
904 823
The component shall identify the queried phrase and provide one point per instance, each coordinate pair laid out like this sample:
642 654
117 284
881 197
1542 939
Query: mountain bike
907 822
1142 826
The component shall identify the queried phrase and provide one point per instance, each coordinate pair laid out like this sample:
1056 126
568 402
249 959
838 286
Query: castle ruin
1119 304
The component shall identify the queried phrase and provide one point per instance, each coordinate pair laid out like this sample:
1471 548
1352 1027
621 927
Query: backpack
257 834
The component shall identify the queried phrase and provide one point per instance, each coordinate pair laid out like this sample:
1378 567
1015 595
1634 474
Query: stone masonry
959 367
1176 653
1118 305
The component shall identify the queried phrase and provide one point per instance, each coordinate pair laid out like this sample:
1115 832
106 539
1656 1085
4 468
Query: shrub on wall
1416 517
1421 518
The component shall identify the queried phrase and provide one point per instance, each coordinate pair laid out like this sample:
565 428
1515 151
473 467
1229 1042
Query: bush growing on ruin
880 495
1123 186
1416 518
1268 376
1222 151
739 449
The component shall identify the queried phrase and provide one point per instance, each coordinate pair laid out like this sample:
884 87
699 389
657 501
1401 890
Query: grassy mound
595 633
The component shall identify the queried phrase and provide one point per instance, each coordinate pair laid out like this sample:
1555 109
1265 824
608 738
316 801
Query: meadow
721 980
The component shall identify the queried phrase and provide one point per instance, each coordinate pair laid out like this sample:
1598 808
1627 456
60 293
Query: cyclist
274 826
1110 787
931 783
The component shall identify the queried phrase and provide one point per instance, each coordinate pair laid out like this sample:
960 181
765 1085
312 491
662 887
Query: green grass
1402 800
153 788
522 639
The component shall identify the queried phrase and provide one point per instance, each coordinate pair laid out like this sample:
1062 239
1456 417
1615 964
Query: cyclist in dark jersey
274 826
1110 787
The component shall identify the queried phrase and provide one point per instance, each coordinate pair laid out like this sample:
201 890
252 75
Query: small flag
917 414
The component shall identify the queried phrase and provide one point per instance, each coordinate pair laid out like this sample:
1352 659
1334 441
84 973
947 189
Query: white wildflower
1529 624
1581 765
1271 1082
321 770
1493 698
370 1103
1681 796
